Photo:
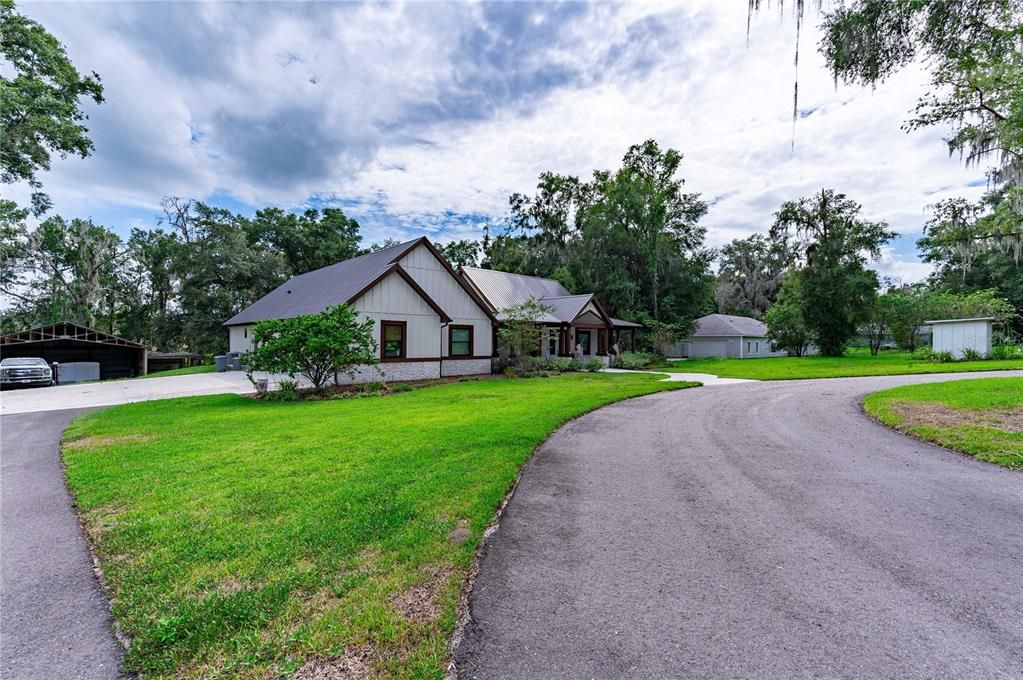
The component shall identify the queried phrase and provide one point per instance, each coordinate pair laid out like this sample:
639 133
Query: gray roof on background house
314 291
726 325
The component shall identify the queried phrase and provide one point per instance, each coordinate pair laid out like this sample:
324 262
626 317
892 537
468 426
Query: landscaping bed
250 538
856 362
981 418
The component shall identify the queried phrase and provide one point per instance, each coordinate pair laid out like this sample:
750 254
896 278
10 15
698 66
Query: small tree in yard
884 316
317 346
786 327
522 331
663 336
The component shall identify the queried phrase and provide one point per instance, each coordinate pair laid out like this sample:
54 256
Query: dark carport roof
66 331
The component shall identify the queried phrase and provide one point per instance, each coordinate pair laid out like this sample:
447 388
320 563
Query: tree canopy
170 287
631 236
40 102
750 274
834 244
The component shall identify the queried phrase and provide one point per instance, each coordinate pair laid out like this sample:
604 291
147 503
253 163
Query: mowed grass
856 362
187 370
242 538
982 418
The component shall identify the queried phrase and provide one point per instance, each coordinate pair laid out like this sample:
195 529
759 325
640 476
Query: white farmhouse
958 335
429 322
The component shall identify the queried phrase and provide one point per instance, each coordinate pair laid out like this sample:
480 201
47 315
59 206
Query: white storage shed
958 335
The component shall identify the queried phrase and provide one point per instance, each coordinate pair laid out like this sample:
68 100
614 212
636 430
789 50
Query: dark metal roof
314 291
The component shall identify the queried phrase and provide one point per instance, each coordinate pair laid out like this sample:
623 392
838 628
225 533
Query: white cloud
425 117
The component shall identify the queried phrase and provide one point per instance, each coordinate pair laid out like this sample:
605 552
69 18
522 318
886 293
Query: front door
583 338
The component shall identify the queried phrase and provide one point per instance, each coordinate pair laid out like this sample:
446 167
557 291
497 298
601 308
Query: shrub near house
319 347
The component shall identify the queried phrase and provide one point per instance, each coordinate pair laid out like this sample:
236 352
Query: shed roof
976 318
728 325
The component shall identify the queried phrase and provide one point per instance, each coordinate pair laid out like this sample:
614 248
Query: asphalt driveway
760 530
55 619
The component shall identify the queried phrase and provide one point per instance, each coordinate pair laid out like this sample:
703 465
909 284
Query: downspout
440 370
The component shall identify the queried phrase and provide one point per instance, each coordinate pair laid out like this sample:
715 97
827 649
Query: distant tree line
172 286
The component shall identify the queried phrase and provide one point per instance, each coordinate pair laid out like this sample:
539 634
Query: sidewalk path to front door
707 379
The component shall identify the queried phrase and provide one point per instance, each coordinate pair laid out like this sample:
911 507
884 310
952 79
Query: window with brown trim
392 340
602 341
460 341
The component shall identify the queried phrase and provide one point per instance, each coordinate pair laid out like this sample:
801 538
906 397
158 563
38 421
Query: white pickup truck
28 371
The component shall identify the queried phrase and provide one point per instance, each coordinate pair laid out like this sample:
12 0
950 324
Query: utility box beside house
958 335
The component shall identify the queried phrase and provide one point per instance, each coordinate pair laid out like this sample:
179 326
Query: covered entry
66 342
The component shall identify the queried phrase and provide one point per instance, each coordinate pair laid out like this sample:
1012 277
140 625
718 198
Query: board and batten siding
436 280
240 338
392 299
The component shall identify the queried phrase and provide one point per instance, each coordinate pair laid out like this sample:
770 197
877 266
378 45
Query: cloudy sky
422 118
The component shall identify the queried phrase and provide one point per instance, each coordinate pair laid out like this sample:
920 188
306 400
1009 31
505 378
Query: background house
574 319
727 336
428 321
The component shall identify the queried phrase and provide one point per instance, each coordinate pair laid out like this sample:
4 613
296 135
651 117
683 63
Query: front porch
587 340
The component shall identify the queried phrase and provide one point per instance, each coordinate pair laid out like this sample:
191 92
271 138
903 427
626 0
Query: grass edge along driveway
982 418
241 538
857 362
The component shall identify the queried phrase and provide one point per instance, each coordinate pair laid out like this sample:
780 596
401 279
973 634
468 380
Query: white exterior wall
436 280
240 338
394 300
955 336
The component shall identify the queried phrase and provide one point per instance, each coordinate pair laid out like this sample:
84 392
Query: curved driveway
751 531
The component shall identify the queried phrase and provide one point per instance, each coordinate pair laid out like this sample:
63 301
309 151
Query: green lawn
187 370
243 538
856 362
982 418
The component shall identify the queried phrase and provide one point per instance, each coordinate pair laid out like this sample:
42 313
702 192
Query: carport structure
65 342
